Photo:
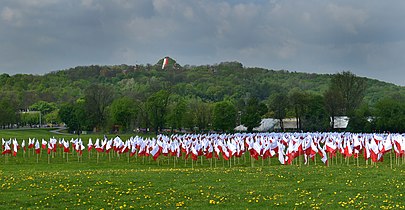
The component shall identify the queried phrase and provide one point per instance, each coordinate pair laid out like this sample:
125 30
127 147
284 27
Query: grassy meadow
111 181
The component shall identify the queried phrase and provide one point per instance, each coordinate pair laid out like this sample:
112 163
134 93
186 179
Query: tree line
197 99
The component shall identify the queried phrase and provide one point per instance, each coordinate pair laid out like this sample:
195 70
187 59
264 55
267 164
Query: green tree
52 117
315 117
252 114
75 116
177 114
390 115
29 118
157 108
123 112
200 114
360 121
97 99
351 87
8 113
43 106
333 101
224 116
298 102
279 104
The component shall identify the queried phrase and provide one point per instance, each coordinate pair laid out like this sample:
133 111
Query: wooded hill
209 82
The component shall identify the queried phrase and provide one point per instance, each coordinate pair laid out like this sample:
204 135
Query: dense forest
195 98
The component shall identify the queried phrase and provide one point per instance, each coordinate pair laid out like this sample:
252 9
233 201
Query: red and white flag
50 147
90 145
66 146
23 145
7 149
322 153
97 146
31 143
44 143
165 62
37 147
156 151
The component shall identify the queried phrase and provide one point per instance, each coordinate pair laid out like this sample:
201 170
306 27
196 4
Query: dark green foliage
8 113
123 112
200 114
278 105
252 114
352 88
224 116
362 120
333 100
97 99
75 116
177 114
315 118
157 109
390 115
299 101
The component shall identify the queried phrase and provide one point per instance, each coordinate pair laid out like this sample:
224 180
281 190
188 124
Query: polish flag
37 147
44 143
156 151
15 147
30 143
90 145
7 149
66 146
50 148
23 145
165 62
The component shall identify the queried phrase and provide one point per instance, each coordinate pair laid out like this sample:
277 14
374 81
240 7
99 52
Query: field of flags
286 148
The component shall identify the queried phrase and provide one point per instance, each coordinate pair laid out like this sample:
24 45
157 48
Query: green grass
113 183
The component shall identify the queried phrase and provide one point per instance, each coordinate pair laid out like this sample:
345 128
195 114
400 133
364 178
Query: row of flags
284 146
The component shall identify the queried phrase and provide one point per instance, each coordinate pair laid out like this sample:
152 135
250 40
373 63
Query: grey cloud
365 37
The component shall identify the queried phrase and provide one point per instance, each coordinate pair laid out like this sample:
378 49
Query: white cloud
8 14
348 17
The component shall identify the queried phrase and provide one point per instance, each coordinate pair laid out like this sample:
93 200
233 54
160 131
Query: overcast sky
366 37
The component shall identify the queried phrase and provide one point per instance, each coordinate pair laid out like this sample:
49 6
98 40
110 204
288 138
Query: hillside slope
208 82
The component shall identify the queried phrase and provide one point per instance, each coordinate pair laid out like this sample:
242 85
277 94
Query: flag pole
315 159
391 158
